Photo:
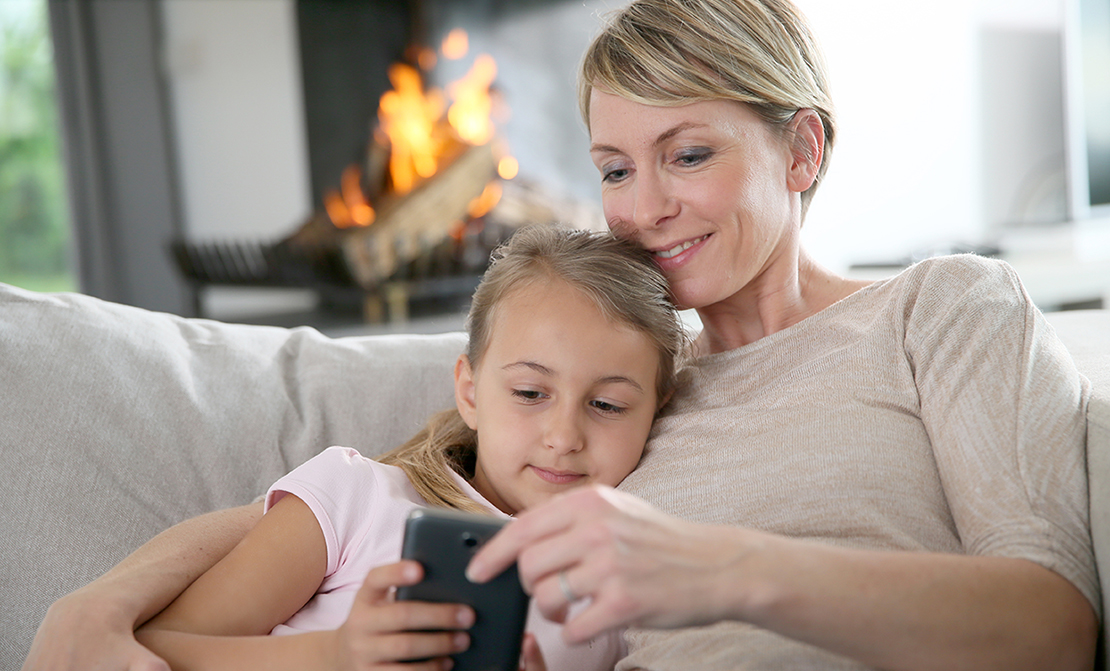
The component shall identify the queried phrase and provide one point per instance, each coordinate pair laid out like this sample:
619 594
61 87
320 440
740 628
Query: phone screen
443 541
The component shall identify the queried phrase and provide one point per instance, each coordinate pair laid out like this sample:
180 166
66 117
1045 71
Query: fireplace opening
396 230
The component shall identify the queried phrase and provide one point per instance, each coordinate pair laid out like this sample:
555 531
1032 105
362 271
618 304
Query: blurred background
128 125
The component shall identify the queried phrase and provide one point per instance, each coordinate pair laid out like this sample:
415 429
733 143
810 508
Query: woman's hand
638 565
80 633
381 631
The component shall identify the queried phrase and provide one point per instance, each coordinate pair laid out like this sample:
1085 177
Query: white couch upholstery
118 423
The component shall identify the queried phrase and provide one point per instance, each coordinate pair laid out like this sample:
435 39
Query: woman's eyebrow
663 137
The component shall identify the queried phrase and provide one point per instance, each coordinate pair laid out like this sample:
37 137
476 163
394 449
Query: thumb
379 581
531 657
145 660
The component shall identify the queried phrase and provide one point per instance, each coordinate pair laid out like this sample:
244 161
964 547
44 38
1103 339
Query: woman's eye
613 174
607 408
528 394
691 157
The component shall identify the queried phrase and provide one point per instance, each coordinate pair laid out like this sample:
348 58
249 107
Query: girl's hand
638 565
380 631
531 658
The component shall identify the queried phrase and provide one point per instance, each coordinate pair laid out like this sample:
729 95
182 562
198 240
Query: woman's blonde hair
675 52
616 275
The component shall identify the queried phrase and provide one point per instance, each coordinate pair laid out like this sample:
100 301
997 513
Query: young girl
573 348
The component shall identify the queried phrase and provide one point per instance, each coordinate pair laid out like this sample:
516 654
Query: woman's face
704 186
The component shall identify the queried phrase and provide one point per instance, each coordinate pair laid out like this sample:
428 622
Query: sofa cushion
119 422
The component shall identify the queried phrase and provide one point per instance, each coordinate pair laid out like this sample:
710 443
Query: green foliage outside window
35 248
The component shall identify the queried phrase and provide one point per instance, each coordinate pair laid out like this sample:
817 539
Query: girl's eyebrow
544 370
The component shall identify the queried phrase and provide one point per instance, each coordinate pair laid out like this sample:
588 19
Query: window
35 248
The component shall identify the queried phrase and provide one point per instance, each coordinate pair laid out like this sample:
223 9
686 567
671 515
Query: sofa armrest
1086 334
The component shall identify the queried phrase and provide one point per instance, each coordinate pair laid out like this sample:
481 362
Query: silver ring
564 585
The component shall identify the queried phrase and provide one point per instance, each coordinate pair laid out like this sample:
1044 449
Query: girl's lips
556 477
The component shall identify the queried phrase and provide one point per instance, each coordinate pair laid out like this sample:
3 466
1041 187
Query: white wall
234 73
233 70
908 170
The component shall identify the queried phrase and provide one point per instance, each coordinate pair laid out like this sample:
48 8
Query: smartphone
443 541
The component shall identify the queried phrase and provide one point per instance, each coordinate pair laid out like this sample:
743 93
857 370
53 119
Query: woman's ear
465 392
807 146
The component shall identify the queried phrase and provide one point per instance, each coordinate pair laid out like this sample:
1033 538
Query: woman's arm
887 609
93 627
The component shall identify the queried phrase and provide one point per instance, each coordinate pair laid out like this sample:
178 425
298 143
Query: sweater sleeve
1005 410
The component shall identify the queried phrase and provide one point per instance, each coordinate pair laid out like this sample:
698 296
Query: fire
349 207
422 130
409 117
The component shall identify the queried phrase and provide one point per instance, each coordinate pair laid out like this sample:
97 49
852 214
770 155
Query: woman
886 475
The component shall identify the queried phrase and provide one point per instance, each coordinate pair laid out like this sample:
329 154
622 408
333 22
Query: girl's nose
564 433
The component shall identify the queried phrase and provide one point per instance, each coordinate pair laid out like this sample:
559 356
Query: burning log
409 225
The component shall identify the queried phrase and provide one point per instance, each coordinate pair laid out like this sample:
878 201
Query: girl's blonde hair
617 275
675 52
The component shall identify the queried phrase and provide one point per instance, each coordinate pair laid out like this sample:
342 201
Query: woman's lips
670 253
556 477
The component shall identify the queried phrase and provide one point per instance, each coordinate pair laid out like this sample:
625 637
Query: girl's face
561 397
707 187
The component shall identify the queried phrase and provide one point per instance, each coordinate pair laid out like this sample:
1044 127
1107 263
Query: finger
531 657
418 616
147 661
548 519
602 614
409 647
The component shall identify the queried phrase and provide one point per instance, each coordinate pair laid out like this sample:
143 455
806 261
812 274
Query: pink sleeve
338 486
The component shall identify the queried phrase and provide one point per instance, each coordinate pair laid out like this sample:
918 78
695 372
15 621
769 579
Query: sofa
119 422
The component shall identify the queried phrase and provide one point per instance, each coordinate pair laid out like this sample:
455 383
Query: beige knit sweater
933 411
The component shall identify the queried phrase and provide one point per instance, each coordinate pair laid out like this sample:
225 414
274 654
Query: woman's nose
651 202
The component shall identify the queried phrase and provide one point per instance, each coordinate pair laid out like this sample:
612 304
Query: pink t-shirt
362 506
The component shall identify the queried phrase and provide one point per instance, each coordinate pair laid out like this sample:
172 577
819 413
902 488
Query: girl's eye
530 395
607 408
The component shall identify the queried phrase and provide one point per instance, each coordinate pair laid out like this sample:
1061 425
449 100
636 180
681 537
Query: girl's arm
221 620
893 610
93 627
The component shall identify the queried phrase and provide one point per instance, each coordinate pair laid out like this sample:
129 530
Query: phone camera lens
469 540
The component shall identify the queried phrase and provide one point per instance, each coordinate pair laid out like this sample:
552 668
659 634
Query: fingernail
465 617
473 574
462 642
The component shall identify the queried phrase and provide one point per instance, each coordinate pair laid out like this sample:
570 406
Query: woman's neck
770 304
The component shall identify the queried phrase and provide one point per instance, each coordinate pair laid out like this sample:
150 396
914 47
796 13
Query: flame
507 167
348 207
408 116
455 45
420 129
489 197
469 115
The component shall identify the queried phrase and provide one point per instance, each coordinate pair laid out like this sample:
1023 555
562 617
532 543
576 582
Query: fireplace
347 51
